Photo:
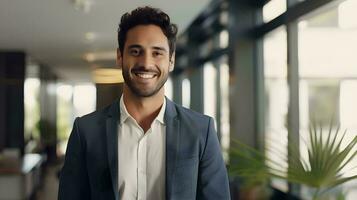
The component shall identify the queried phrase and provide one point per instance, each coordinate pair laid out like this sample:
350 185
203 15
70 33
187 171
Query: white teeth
146 76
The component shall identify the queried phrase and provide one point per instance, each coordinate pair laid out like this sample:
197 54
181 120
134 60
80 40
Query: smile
145 75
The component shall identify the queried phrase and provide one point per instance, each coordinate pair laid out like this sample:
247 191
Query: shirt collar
124 114
160 116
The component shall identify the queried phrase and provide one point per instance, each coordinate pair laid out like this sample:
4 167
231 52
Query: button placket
142 178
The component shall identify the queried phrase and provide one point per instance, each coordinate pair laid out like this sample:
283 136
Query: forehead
146 36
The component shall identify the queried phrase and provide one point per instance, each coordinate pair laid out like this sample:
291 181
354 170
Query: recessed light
82 5
97 56
90 36
90 57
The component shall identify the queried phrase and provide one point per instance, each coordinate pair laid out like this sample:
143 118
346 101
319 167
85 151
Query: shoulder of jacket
191 114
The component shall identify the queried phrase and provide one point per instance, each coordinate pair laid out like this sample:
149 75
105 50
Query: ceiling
56 34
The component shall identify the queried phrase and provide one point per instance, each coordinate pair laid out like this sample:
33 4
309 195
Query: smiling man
144 146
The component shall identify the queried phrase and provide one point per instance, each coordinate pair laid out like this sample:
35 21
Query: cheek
128 64
165 65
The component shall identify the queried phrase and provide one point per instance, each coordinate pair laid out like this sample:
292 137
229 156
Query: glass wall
210 92
224 106
328 71
65 116
84 99
276 104
32 86
72 101
201 64
309 73
273 9
168 88
186 93
216 99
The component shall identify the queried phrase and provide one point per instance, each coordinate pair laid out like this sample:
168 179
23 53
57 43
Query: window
273 9
276 89
223 39
328 71
84 99
168 88
32 108
210 90
64 115
186 93
224 107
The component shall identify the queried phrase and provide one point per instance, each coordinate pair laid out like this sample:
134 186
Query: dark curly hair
146 16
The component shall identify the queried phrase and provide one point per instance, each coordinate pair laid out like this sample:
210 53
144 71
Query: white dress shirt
141 157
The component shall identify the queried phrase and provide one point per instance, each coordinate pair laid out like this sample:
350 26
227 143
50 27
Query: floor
49 189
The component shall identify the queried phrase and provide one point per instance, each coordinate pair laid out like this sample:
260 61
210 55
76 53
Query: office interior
265 70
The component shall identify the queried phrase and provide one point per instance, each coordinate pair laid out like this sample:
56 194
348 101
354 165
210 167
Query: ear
172 62
119 58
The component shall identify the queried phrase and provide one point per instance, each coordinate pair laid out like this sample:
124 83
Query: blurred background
263 69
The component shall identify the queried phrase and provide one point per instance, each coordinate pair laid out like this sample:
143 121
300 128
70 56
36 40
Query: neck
143 109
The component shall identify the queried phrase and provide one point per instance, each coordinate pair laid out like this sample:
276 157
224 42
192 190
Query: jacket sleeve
212 176
74 183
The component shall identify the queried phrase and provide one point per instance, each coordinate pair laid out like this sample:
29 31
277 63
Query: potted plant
48 139
322 171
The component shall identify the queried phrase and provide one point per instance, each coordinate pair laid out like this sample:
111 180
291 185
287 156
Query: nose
146 60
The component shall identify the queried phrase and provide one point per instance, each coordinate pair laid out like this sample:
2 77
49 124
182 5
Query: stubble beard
139 92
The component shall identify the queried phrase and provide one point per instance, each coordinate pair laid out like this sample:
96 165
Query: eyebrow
159 48
154 47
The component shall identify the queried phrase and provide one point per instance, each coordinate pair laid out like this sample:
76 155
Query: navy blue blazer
194 164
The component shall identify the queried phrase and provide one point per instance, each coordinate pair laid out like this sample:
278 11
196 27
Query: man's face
145 61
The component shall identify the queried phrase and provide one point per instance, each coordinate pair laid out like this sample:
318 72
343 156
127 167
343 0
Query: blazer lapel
172 144
112 145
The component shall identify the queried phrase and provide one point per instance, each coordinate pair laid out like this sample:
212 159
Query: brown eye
134 52
156 53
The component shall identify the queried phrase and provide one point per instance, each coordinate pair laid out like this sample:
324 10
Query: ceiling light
83 5
90 57
90 36
97 56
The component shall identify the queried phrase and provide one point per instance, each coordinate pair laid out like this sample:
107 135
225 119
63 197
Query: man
144 146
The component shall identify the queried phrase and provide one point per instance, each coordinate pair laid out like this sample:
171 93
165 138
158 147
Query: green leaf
323 170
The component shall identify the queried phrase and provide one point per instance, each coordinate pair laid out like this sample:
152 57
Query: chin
148 93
